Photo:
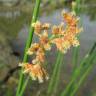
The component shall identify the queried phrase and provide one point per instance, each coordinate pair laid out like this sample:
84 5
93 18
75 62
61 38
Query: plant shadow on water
13 35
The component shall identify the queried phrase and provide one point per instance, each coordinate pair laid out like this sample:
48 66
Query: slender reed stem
24 86
82 78
56 81
78 70
51 83
75 58
28 43
75 8
75 51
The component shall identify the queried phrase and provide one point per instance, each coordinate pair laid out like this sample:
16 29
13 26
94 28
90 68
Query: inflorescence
63 37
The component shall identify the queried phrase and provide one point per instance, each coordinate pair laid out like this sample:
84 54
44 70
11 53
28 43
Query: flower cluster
63 37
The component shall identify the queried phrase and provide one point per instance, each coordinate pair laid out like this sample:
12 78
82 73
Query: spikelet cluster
63 37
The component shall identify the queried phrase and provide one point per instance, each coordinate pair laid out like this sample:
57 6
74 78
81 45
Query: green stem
28 43
24 86
75 58
76 9
56 81
82 78
78 71
51 83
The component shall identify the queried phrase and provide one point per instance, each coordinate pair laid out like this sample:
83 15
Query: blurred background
15 18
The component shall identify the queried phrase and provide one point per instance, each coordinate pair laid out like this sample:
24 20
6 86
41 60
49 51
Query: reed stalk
83 77
86 66
75 51
56 81
75 58
76 9
28 43
56 71
24 86
53 77
78 70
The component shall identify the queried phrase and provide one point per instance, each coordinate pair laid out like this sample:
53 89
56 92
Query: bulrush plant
62 36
